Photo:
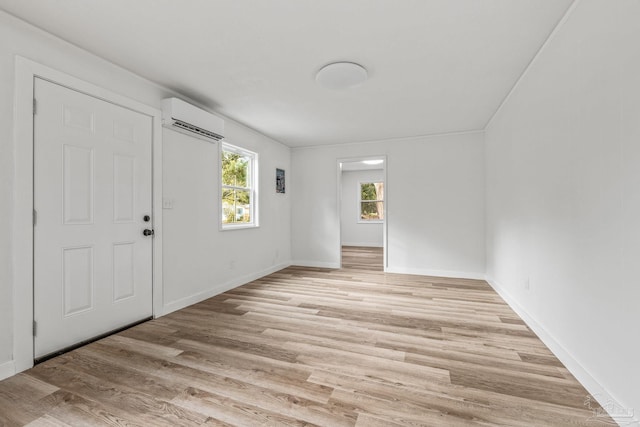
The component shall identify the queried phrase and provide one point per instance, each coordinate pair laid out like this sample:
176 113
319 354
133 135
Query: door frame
26 71
339 161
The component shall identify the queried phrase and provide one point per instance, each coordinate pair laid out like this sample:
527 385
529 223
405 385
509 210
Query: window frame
252 187
359 199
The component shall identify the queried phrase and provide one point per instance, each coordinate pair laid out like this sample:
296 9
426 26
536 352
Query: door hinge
35 217
35 108
35 328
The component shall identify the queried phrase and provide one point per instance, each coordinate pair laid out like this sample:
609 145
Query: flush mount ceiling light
341 75
372 162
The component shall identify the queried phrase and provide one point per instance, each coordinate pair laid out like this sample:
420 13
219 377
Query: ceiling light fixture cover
372 162
341 75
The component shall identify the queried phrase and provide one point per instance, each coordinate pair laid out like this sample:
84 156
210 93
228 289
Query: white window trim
253 195
359 213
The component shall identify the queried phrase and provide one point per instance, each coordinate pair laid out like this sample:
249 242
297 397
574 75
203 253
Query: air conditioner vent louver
191 120
197 130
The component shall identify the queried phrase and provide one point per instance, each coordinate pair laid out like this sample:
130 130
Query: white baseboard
7 369
316 264
436 273
614 406
223 287
363 244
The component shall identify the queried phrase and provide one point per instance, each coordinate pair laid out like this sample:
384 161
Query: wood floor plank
232 412
48 421
118 400
399 411
74 410
313 347
85 362
362 258
334 343
368 420
263 378
499 409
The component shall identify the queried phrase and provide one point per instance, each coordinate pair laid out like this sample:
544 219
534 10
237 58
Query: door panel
123 270
124 184
77 185
92 187
77 278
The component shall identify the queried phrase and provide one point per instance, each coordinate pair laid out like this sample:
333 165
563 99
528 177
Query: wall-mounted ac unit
183 117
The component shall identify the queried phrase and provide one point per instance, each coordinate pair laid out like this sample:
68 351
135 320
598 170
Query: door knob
147 232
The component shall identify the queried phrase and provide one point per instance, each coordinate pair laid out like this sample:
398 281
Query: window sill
371 221
228 227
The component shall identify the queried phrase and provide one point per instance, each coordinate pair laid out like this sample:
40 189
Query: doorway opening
362 210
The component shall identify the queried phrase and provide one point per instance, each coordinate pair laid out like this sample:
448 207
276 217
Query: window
371 202
238 173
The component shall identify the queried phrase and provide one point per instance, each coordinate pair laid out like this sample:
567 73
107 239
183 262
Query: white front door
92 191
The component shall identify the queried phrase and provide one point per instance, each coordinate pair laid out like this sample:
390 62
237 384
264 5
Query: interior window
371 201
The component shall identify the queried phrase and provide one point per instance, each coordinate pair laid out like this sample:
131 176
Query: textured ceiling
435 66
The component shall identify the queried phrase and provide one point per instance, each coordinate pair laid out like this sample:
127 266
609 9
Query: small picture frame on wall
280 188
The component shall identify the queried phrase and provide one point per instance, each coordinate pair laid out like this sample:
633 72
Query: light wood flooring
307 346
362 258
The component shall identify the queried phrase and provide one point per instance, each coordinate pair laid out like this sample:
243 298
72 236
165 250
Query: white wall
563 196
435 204
19 38
199 259
352 232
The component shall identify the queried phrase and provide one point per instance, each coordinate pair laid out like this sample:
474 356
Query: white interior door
92 190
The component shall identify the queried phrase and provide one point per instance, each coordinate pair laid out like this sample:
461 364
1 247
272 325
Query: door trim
25 73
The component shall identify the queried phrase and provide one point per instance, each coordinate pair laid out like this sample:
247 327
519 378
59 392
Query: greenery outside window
238 175
371 203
